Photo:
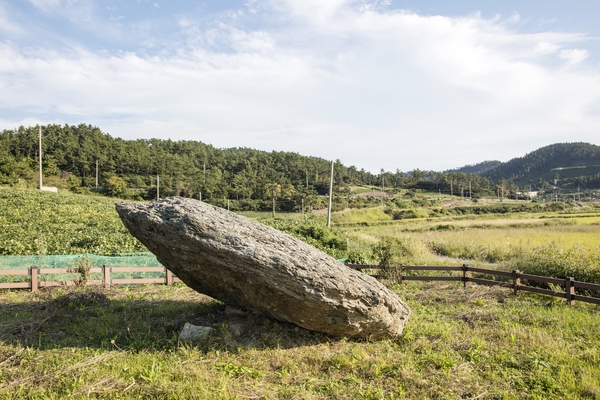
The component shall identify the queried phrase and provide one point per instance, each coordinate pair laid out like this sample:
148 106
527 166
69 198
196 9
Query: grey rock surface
254 267
193 332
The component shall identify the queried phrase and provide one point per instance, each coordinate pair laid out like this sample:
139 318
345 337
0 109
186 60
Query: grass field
122 344
547 247
474 343
36 222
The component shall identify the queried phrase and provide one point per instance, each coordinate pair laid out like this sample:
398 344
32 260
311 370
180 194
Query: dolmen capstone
248 265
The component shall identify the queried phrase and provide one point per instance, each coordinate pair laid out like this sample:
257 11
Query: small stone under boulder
254 267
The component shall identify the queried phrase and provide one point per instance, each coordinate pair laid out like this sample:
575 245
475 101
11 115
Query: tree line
195 169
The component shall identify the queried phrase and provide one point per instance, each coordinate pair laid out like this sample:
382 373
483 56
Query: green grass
459 344
35 222
260 215
558 248
478 342
368 215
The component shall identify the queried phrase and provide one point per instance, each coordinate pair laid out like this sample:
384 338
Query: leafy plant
385 251
84 265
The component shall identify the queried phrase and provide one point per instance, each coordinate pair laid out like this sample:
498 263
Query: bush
115 186
385 252
329 240
73 183
357 257
410 214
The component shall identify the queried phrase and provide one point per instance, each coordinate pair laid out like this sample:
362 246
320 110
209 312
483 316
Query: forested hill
479 168
128 168
570 164
185 167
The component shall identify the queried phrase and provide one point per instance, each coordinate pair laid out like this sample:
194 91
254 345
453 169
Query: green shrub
410 213
357 257
329 240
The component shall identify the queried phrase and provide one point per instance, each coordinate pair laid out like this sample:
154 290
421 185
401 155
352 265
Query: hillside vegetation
479 168
42 223
571 164
252 180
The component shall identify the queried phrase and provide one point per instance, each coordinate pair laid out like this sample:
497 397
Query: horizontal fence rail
514 280
34 273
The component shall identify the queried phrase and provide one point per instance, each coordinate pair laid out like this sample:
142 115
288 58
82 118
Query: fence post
570 290
106 271
33 275
516 276
399 273
168 277
465 275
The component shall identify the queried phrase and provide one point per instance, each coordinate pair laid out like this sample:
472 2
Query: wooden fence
34 273
514 280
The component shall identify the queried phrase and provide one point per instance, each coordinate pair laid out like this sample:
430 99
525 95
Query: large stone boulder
252 266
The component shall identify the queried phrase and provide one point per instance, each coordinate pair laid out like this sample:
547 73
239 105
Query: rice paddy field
549 244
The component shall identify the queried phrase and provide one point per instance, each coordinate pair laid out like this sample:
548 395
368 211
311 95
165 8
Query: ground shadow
104 318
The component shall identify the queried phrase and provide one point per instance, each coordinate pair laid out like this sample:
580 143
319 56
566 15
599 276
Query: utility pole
302 207
451 189
306 170
382 188
157 187
96 174
330 196
372 187
470 194
40 155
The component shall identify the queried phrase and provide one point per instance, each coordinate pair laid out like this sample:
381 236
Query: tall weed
560 261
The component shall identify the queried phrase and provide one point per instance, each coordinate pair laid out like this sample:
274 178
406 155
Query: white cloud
373 87
7 25
183 22
80 11
574 56
545 48
547 21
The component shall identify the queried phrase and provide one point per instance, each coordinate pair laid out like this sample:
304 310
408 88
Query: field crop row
36 223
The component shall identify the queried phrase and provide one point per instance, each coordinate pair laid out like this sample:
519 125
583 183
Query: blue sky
390 84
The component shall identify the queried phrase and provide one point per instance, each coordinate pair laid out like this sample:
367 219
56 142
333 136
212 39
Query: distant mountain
479 168
570 165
